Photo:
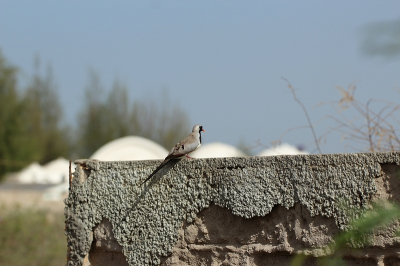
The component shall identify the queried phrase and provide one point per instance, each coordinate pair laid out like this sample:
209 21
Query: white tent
122 149
283 149
33 173
54 172
130 148
215 150
59 166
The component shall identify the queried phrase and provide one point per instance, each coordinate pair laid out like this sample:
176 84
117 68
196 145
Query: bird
182 148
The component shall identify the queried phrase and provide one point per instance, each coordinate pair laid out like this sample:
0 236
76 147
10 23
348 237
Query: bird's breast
198 146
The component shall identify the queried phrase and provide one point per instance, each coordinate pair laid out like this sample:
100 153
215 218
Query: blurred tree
43 117
104 119
117 112
13 140
31 122
160 120
92 120
382 39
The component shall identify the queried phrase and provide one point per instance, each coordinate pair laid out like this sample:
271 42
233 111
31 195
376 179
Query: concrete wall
227 211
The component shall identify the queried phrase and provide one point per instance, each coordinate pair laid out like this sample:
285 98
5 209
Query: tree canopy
33 127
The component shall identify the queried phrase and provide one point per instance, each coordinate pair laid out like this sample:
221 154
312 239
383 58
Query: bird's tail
155 171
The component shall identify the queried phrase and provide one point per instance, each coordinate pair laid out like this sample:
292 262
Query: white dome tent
31 174
217 150
122 149
54 172
130 148
283 149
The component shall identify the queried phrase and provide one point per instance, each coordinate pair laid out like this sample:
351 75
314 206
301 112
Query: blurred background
127 80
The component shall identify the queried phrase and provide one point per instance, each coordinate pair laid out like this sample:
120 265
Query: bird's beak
203 130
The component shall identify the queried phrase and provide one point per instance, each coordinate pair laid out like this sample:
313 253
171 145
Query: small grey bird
182 148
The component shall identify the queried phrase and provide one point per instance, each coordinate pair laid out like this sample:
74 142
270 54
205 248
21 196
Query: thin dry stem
377 130
371 124
306 114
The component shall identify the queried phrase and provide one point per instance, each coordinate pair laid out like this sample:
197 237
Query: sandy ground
11 198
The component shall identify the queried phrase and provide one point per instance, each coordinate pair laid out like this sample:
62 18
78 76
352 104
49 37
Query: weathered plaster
147 220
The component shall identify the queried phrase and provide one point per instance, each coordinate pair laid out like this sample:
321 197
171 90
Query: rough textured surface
218 236
286 203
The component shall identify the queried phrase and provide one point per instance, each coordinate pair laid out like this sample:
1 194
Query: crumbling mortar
146 220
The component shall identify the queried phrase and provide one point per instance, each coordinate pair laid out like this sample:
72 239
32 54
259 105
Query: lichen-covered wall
147 220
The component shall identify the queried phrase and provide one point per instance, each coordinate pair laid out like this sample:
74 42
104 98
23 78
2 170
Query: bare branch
370 130
374 123
306 114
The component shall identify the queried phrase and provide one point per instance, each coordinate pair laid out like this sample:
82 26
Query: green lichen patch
146 219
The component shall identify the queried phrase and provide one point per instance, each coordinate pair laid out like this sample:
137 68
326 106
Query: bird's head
198 128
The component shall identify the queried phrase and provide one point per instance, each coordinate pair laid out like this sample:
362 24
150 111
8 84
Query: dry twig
306 114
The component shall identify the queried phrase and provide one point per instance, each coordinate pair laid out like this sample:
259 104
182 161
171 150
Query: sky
222 61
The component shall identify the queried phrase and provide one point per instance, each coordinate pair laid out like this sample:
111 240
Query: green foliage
32 126
44 117
358 236
31 237
12 130
101 119
380 216
30 121
375 125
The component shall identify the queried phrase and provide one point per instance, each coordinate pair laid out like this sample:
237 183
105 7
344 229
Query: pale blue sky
222 60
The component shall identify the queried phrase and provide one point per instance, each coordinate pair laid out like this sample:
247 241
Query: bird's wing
191 143
186 146
176 152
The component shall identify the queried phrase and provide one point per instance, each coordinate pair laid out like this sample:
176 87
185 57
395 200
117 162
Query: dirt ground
10 198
